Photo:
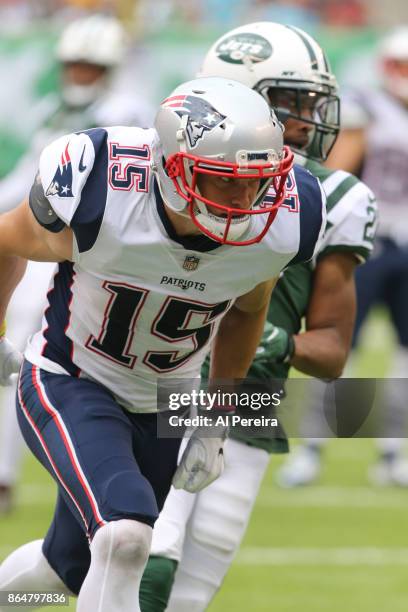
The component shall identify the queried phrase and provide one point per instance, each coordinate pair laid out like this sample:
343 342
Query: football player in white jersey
196 537
373 144
89 52
167 239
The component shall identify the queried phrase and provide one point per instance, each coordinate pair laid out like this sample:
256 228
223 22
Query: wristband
289 352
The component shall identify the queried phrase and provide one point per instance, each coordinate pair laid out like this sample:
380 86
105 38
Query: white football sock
27 569
119 553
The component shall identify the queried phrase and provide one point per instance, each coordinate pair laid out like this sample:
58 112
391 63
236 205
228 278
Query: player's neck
182 224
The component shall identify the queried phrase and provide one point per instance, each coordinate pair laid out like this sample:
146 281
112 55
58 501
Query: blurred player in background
196 537
373 144
89 52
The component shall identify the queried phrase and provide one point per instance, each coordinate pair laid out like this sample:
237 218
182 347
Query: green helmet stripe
306 42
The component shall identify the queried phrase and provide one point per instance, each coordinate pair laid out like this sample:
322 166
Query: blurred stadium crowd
221 13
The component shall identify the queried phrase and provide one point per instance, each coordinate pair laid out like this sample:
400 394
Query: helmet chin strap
217 225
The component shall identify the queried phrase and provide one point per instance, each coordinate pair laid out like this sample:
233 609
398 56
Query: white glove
10 361
202 461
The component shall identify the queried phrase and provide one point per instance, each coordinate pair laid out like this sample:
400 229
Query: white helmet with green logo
271 57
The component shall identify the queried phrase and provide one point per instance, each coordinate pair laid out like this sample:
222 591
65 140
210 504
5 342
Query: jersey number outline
118 329
369 228
124 176
291 201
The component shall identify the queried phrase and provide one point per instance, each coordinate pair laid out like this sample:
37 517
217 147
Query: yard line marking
322 556
342 497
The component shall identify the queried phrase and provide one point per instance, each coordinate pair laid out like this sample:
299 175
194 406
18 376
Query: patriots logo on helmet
202 117
61 184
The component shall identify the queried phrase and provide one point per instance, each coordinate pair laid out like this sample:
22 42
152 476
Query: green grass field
338 546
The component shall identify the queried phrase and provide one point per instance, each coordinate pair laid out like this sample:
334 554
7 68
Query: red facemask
266 173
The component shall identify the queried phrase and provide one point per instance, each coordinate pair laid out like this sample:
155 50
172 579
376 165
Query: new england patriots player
167 240
196 537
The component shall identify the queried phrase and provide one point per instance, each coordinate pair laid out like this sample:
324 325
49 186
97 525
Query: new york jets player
123 210
89 52
201 534
373 143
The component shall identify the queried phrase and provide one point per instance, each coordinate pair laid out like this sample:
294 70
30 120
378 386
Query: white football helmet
215 126
97 40
273 59
394 51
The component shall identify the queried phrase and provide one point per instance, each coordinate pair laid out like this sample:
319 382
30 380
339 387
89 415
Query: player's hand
202 461
276 345
10 361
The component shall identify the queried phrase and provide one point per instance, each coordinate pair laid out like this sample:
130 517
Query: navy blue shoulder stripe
87 219
310 213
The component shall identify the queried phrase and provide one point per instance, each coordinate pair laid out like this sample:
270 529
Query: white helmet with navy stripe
269 56
216 126
96 39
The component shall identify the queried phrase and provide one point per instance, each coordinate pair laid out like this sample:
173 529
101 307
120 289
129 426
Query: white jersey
138 302
351 213
386 160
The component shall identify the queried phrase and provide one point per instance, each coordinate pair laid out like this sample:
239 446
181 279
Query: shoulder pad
352 223
65 166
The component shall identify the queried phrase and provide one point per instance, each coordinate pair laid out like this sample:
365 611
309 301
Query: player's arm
240 332
322 350
22 238
233 350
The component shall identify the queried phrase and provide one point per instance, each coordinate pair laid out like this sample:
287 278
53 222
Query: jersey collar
199 242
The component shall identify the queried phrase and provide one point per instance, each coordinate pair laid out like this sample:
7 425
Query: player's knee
221 535
128 493
208 537
124 542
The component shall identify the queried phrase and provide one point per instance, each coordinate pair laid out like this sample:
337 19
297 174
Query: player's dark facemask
318 107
